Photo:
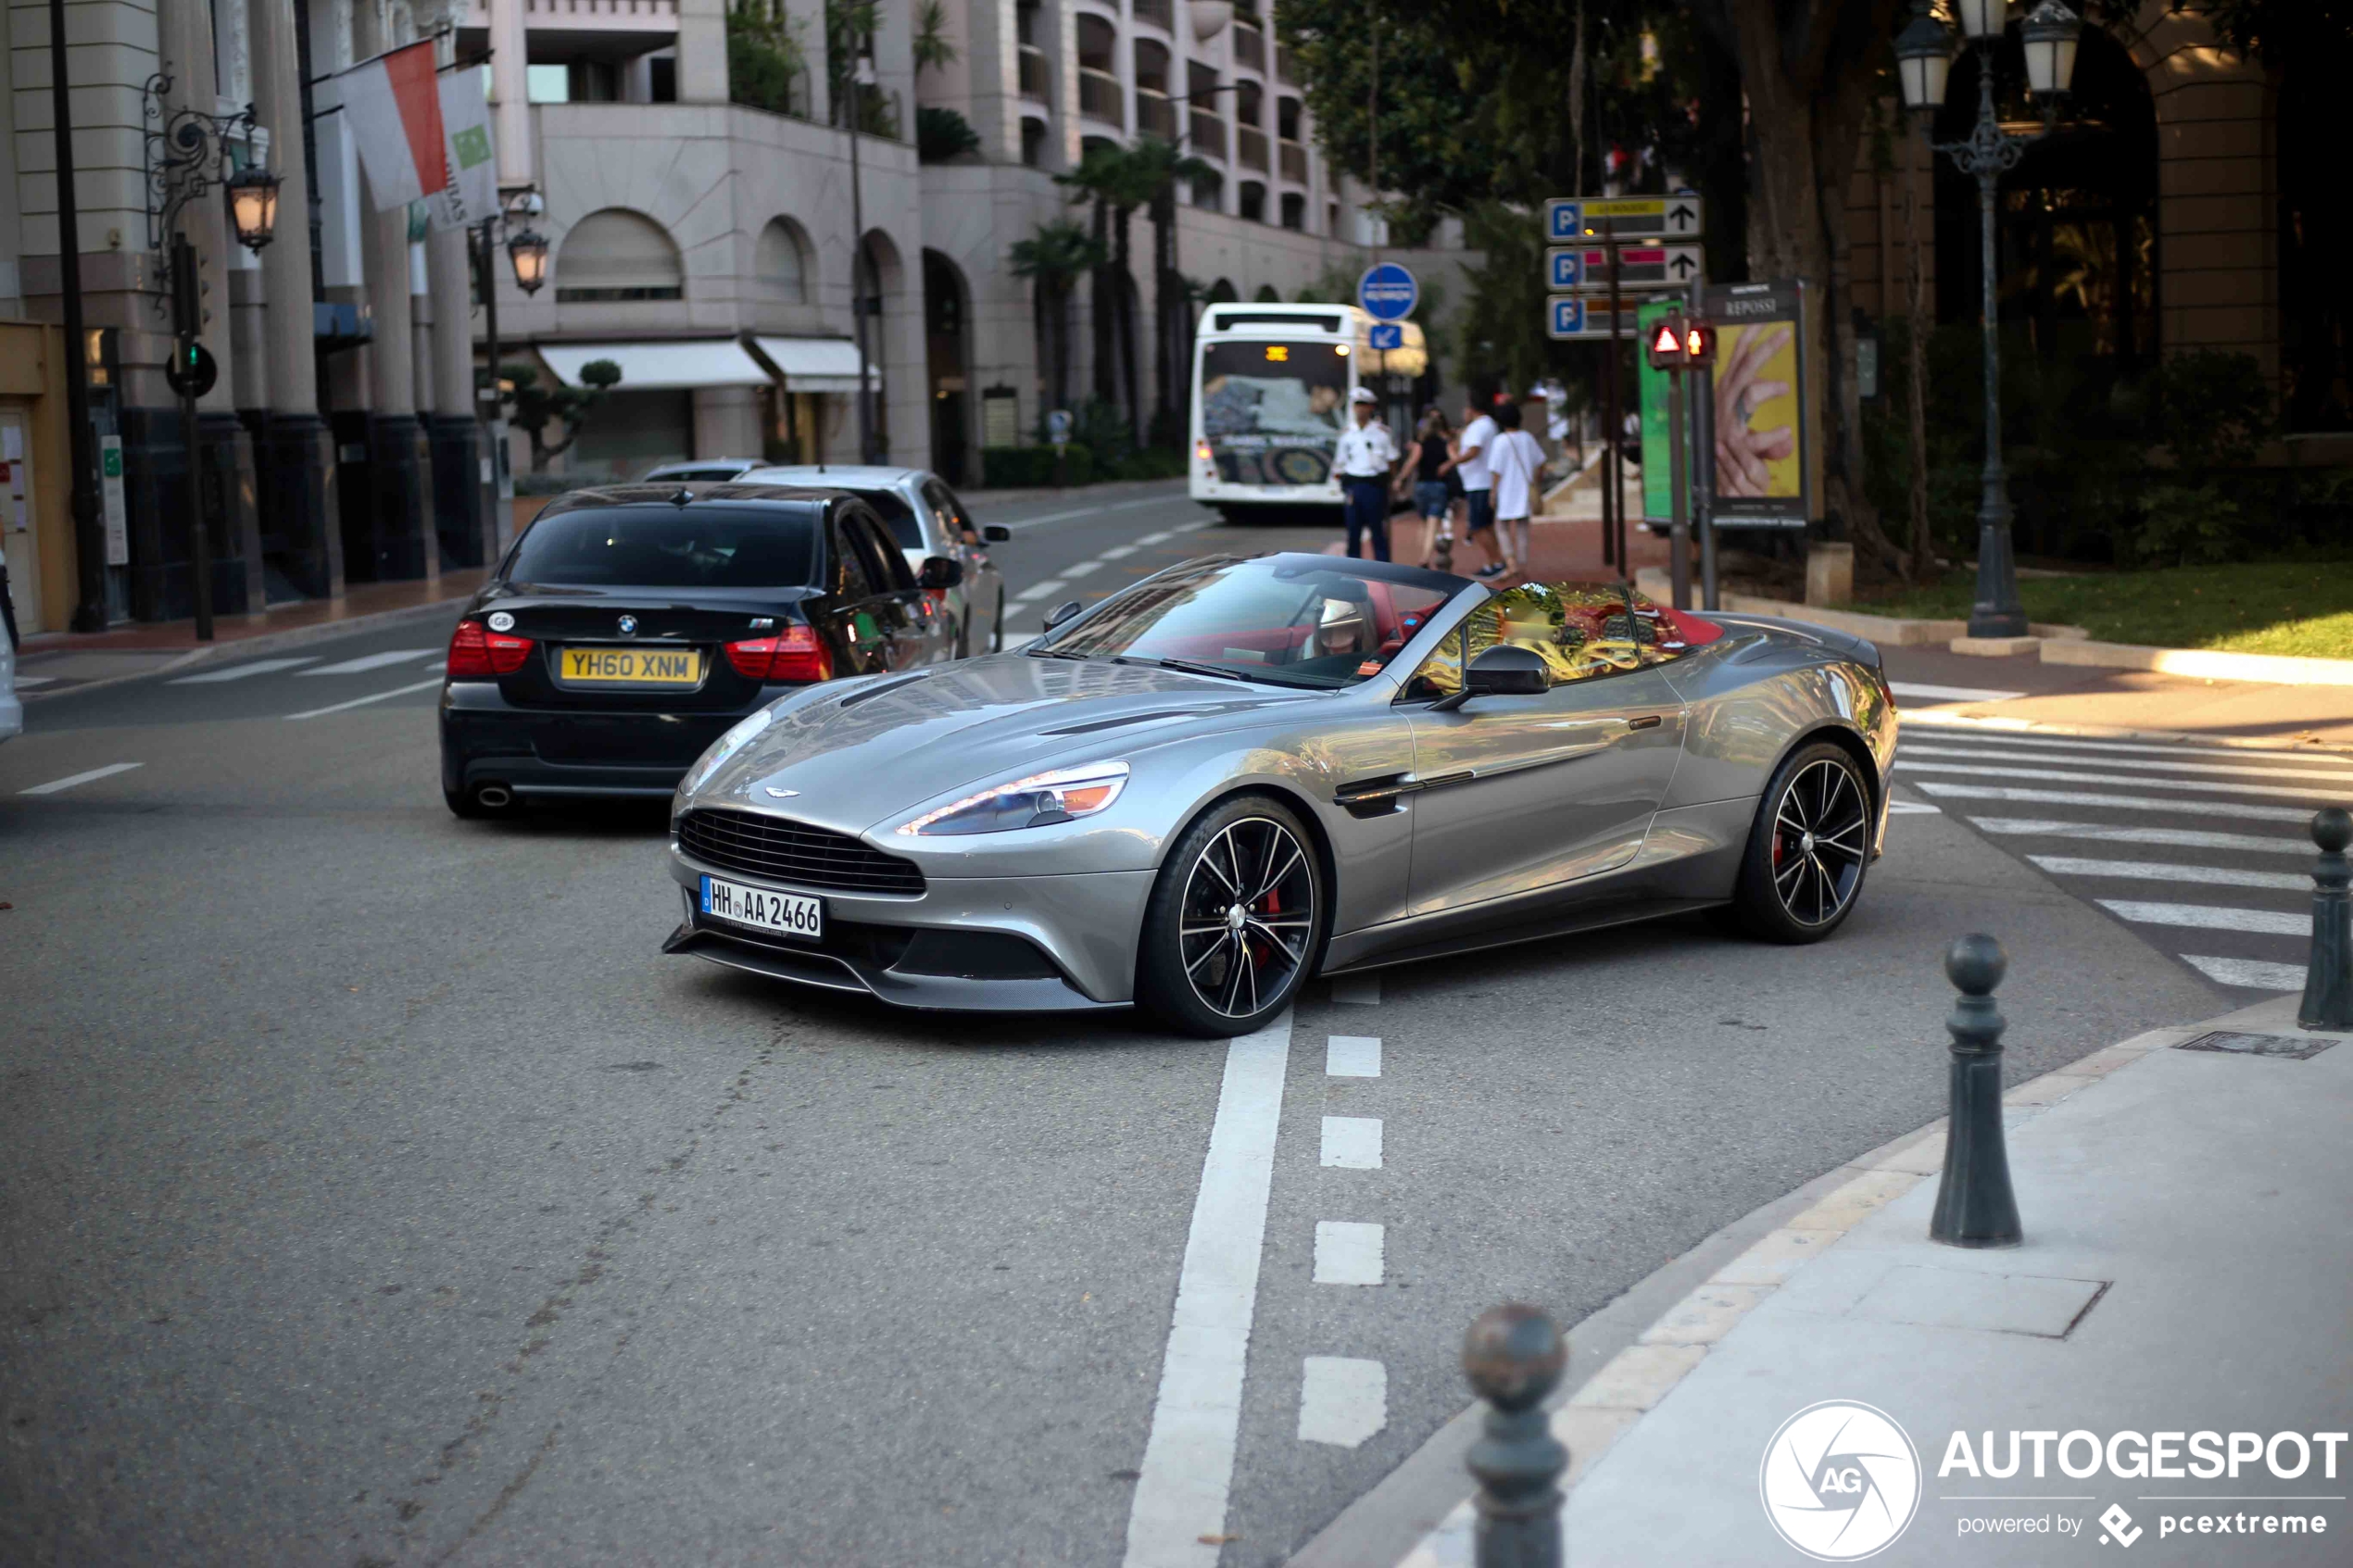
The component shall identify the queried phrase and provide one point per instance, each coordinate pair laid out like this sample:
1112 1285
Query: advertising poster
1765 460
1658 489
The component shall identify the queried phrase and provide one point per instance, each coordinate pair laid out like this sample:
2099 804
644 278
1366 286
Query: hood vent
1092 725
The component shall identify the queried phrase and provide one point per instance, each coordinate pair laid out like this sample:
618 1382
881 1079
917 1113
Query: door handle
1647 721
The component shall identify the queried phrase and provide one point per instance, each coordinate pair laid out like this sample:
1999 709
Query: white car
927 519
703 468
11 705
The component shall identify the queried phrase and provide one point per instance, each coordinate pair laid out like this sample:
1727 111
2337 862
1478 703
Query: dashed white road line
366 662
1187 1468
1342 1401
2263 922
238 672
2170 838
1351 1143
1358 990
2134 763
1948 733
1352 1056
1911 767
1117 552
2229 809
1913 808
27 682
363 701
1948 694
1162 537
54 785
1349 1252
1197 526
1082 568
1039 590
2251 973
2158 870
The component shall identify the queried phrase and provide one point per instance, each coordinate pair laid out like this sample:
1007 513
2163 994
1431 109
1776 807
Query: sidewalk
2188 1269
2022 692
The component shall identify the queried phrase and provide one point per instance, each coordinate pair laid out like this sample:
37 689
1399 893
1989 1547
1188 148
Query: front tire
1236 921
1803 871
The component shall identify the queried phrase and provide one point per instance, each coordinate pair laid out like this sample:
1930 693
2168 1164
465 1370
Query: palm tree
1158 164
1054 259
1102 178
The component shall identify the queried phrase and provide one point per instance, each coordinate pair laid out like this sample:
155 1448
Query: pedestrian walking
1433 459
1367 461
1517 459
1472 453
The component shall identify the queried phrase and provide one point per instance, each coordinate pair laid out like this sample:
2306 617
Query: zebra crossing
2202 848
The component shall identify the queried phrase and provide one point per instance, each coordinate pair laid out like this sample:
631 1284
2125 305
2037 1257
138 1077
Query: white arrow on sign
1682 216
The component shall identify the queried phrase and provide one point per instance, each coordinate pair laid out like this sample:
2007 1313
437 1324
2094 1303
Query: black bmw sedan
631 626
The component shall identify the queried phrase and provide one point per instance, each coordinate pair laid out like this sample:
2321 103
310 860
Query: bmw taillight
476 653
792 654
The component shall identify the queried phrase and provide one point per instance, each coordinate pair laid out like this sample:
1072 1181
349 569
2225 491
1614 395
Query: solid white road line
2153 871
364 701
258 667
1976 736
1352 1143
1987 754
1118 552
1352 1056
54 785
370 661
1341 1400
1358 990
1082 568
2249 974
2172 838
1908 768
2207 917
1347 1252
1189 1460
1948 694
2229 809
1039 590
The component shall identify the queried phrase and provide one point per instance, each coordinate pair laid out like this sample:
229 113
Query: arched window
780 262
1223 292
617 254
1266 294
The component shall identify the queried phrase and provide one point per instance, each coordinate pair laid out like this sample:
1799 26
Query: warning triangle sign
1667 339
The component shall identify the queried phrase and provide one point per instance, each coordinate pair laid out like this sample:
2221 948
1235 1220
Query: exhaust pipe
497 796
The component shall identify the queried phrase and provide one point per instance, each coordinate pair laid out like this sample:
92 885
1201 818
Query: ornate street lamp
527 252
1923 52
253 206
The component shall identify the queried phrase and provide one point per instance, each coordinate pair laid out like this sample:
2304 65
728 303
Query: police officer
1366 461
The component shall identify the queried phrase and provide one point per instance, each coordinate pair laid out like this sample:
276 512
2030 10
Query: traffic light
1665 345
191 370
1699 344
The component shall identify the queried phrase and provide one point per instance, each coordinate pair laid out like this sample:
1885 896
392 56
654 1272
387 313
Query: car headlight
1062 796
726 746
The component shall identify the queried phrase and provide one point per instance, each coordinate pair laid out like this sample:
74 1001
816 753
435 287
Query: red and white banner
422 135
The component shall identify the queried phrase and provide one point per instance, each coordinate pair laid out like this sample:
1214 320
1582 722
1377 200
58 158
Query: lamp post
527 254
1923 57
862 78
89 542
187 153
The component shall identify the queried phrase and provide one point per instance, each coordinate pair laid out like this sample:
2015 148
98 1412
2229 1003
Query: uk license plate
786 914
630 667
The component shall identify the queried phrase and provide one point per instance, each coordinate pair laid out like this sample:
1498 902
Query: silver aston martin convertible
1240 772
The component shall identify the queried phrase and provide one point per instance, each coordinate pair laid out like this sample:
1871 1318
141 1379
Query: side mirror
1061 612
996 533
940 571
1502 670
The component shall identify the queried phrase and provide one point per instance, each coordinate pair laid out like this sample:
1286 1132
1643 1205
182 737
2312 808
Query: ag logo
1840 1481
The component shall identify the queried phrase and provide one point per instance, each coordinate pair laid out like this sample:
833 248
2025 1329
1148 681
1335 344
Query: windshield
1290 621
667 546
1271 411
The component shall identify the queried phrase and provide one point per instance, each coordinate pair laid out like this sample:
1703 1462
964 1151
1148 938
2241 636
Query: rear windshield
700 546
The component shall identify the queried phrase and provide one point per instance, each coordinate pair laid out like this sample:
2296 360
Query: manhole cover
2256 1045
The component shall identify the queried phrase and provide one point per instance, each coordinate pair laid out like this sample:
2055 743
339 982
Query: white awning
662 366
817 364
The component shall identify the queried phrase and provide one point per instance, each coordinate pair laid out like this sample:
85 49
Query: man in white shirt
1516 459
1474 450
1366 461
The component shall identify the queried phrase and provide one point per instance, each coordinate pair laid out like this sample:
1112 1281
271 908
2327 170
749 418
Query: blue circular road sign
1388 291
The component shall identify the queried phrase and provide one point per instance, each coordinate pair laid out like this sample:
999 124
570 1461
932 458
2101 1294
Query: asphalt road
372 1191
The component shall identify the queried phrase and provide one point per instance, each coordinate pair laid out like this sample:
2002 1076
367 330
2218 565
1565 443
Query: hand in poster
1742 452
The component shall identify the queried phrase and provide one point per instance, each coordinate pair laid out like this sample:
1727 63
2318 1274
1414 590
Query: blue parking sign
1567 318
1387 335
1565 268
1563 219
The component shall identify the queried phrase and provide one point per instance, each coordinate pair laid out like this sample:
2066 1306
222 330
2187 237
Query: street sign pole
1679 530
1613 455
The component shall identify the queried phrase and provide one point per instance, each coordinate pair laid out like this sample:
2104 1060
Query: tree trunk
1099 306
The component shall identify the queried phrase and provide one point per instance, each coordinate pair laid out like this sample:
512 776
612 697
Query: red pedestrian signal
1699 344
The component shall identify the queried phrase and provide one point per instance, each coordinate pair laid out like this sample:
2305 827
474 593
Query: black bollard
1512 1355
2328 977
1975 1204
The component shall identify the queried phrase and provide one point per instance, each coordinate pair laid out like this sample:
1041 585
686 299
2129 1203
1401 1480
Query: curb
2209 664
977 499
1937 717
266 642
1664 1324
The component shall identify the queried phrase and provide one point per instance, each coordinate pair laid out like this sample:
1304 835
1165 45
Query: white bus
1271 387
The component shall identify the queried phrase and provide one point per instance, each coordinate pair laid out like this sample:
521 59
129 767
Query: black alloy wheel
1236 921
1807 854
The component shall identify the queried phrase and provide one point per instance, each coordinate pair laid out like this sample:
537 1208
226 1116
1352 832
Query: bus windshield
1271 411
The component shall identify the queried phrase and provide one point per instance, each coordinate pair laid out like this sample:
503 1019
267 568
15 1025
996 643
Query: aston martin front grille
794 852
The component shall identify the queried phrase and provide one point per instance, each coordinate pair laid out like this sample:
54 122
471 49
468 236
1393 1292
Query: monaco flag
421 137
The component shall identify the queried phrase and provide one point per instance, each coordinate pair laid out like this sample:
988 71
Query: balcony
1098 96
1250 145
1250 45
1283 69
1208 134
1159 13
1035 75
1291 159
1155 115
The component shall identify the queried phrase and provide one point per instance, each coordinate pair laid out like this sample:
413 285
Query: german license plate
786 914
630 667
